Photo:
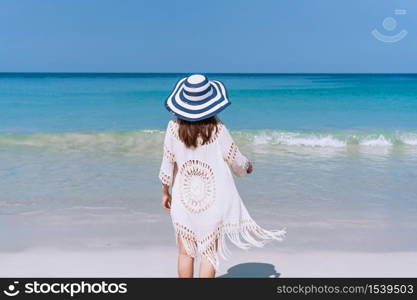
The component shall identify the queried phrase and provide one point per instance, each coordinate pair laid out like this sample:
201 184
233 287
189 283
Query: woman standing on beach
199 154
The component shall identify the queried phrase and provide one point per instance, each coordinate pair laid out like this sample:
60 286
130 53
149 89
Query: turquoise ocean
335 158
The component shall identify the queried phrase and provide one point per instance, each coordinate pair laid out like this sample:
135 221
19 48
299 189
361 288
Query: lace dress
206 208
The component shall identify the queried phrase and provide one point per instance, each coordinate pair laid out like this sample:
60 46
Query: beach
161 263
105 242
335 163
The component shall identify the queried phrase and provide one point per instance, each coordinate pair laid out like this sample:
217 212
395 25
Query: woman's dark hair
190 132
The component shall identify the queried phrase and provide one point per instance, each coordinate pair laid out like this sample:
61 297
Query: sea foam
150 141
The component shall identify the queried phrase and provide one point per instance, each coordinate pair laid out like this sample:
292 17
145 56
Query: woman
199 155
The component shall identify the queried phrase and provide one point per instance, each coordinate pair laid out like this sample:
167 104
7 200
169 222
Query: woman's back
199 155
215 153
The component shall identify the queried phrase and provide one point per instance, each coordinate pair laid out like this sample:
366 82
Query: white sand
161 262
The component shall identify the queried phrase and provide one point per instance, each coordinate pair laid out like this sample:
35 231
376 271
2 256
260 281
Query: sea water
335 158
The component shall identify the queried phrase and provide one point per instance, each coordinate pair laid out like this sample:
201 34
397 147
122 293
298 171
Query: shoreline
161 262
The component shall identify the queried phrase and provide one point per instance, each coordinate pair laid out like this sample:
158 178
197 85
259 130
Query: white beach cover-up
206 206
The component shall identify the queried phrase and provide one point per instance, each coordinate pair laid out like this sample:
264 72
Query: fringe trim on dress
244 235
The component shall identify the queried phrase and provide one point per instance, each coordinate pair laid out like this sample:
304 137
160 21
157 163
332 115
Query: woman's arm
239 164
166 172
166 197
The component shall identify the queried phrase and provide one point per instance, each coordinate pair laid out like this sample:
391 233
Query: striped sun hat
196 98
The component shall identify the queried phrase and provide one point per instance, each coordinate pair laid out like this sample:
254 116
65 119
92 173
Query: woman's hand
166 197
166 201
249 170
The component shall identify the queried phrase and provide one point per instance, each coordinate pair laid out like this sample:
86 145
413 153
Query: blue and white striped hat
196 98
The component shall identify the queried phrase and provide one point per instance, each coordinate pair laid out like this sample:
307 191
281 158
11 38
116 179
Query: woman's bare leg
206 268
185 262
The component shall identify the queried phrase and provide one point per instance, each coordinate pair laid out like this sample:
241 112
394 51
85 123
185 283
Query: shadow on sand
253 270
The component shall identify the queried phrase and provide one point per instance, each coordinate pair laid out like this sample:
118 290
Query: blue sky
205 36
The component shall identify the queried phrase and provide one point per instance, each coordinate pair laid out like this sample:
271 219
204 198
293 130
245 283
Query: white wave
409 139
143 142
261 140
380 141
297 139
327 141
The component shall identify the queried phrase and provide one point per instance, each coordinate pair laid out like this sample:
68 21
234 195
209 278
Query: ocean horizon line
210 73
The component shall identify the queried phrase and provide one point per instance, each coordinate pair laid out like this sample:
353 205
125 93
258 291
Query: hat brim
189 110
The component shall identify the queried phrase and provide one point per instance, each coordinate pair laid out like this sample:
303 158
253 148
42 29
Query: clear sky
206 36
